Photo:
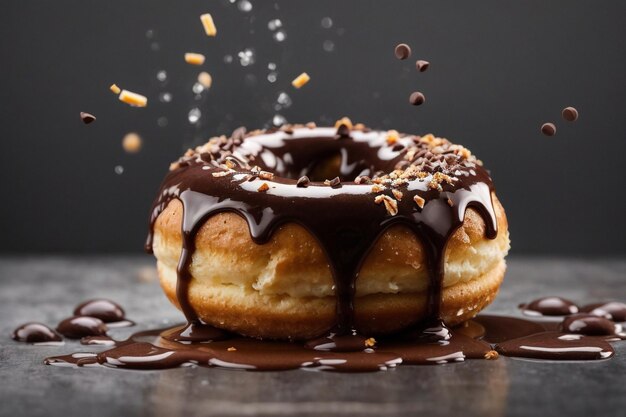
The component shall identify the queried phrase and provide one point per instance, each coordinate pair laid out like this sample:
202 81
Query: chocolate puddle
475 339
346 235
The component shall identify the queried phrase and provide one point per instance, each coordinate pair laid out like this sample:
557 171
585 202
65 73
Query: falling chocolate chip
105 310
417 98
303 181
81 326
548 129
335 182
570 114
87 118
35 333
422 65
402 51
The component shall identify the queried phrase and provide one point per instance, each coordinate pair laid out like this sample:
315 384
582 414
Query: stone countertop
46 289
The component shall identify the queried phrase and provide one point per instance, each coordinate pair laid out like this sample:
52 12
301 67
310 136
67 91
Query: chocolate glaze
549 306
105 310
82 326
97 341
223 175
612 310
36 333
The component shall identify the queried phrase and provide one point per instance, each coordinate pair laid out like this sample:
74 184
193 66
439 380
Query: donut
302 231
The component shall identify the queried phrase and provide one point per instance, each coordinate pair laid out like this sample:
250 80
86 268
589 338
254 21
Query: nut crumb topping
265 175
264 187
344 121
392 137
232 349
419 201
492 355
397 194
220 173
370 342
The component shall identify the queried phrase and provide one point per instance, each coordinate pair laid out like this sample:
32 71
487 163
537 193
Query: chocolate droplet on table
570 114
548 129
612 310
422 65
35 333
103 309
82 326
402 51
87 118
417 98
588 324
550 306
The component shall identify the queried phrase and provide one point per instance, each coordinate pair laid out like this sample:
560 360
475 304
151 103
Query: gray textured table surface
46 289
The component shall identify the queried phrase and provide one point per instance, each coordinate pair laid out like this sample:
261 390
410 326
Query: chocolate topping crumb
570 114
402 51
548 129
416 98
87 117
422 65
303 181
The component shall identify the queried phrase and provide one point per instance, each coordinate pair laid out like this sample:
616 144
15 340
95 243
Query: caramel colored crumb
133 99
205 79
132 142
209 25
492 355
371 342
359 126
344 121
397 194
300 80
419 201
220 173
263 187
390 204
265 175
115 89
392 137
232 349
311 125
194 59
450 203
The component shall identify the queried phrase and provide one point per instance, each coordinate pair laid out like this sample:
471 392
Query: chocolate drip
345 220
37 333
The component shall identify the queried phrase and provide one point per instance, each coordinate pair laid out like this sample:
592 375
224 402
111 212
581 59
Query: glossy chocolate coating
612 310
105 310
82 326
35 333
550 306
588 325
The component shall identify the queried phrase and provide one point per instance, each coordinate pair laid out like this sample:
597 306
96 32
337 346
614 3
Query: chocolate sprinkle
570 114
335 182
303 181
87 117
548 129
417 98
422 65
402 51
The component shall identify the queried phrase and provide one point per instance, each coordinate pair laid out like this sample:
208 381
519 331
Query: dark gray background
499 70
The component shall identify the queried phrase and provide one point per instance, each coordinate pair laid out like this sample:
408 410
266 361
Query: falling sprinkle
280 36
327 23
132 142
244 6
283 101
162 121
165 97
246 57
194 115
119 170
162 76
197 88
155 46
150 34
278 120
205 79
228 59
271 77
328 46
274 24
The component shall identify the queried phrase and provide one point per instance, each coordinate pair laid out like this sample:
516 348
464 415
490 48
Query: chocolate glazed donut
384 179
